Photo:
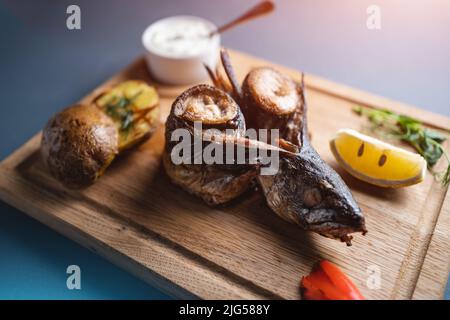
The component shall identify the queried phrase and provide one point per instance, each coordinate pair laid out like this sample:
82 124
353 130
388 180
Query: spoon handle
260 9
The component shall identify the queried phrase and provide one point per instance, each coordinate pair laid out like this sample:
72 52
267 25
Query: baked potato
79 143
133 105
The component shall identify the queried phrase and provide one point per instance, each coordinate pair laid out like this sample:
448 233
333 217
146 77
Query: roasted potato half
79 143
133 105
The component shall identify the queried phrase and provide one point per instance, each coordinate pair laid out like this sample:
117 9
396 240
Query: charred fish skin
306 190
216 184
271 101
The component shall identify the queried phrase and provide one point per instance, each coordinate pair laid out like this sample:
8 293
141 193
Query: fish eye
312 197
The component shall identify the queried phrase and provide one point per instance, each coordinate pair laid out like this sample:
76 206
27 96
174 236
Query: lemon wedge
377 162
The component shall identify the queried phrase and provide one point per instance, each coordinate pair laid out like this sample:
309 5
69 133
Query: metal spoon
258 10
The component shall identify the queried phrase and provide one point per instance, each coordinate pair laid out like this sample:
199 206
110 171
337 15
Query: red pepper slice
328 282
340 280
310 291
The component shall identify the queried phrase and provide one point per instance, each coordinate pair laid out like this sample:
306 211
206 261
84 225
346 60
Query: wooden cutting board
137 219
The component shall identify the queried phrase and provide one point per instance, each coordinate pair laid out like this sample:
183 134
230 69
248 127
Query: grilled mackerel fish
305 190
214 183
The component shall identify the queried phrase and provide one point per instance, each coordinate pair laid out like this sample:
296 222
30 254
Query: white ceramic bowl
180 69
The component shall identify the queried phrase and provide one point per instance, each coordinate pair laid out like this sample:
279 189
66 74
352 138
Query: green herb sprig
120 110
426 142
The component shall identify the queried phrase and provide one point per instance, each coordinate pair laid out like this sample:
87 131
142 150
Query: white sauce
180 37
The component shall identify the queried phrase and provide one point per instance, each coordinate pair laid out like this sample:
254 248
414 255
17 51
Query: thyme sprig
427 143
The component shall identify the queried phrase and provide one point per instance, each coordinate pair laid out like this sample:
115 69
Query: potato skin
78 144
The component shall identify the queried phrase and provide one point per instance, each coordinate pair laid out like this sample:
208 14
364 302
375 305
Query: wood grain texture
136 218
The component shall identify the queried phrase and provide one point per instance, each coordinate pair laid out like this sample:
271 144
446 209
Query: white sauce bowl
178 46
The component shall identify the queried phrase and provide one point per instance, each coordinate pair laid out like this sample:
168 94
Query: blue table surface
45 67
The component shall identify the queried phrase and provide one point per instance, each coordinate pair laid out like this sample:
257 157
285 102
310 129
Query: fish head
328 206
310 193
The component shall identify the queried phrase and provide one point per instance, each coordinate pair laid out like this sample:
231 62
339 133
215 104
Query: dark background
45 67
